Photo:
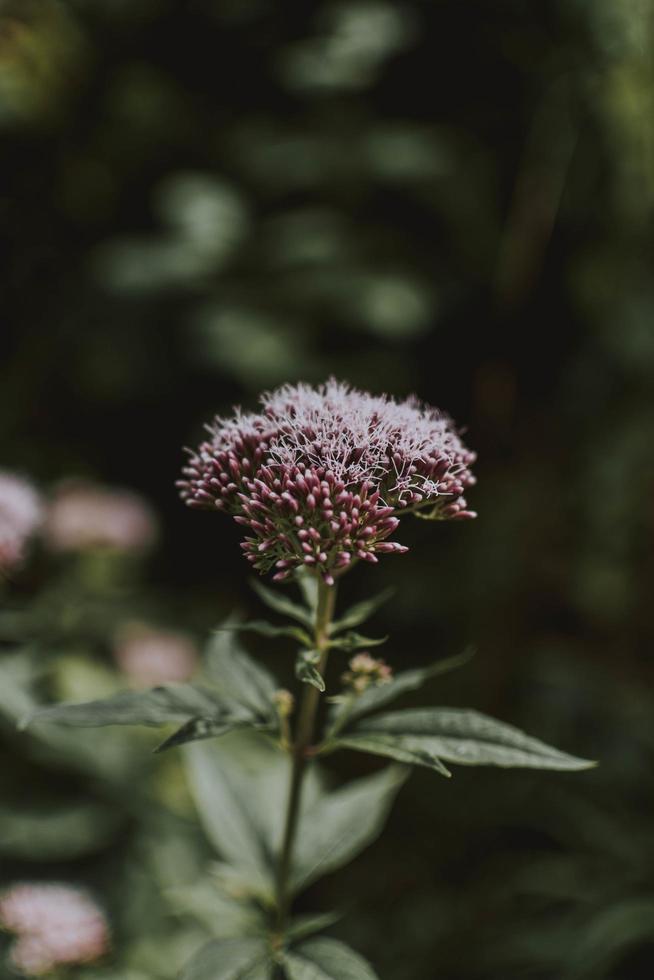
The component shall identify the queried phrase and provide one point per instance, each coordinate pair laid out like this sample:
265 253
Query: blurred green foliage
205 198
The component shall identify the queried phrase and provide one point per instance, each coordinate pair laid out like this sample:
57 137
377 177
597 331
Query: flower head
320 475
20 516
55 925
153 656
83 515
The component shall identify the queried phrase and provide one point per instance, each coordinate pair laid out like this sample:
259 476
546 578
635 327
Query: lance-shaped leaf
238 677
355 641
282 604
390 747
240 786
158 706
306 669
263 628
342 823
198 729
407 680
326 959
465 737
307 925
361 611
230 959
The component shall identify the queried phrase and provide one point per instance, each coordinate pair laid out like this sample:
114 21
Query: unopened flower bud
366 671
284 702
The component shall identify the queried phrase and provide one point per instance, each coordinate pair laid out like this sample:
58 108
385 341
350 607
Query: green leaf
355 641
402 683
361 611
240 678
306 925
282 604
17 673
222 914
603 942
157 706
56 832
308 583
466 737
391 747
230 959
240 785
198 729
264 628
227 803
342 823
326 959
306 670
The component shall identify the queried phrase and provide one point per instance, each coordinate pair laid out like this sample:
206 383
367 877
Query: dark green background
202 199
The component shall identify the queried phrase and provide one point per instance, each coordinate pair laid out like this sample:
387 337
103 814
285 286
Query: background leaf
282 604
239 677
230 959
326 959
56 832
361 611
342 823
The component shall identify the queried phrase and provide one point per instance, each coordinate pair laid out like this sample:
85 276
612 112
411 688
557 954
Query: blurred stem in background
326 600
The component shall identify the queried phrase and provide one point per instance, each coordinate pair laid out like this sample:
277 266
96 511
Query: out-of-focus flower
366 671
55 925
21 514
83 516
320 474
151 656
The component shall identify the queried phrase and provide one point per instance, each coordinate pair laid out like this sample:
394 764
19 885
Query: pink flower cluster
151 656
83 515
56 925
21 514
319 475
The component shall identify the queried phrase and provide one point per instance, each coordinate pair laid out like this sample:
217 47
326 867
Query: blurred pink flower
55 925
150 656
83 515
21 513
320 476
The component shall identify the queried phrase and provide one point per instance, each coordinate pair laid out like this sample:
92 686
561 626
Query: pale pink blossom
152 656
21 513
84 515
320 475
55 925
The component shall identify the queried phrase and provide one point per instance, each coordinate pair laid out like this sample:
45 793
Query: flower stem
303 738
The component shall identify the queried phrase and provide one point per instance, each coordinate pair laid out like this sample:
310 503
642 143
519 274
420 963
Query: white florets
364 437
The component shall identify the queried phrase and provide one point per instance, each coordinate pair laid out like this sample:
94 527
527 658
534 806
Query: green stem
303 738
